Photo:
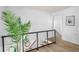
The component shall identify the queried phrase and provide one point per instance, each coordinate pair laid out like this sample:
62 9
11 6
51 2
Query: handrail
37 32
30 32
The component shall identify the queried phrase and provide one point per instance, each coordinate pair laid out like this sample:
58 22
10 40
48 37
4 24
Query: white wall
69 33
40 20
2 31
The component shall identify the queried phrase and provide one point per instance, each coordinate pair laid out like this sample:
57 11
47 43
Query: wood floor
60 46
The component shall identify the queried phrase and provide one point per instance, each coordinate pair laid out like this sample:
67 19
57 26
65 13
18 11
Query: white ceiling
49 8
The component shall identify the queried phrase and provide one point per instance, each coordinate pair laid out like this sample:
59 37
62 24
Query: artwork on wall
70 20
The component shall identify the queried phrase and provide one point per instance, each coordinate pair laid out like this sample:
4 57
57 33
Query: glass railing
36 40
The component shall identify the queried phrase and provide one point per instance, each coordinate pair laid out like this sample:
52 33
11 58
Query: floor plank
60 46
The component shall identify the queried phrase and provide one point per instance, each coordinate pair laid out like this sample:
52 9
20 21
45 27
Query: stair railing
31 44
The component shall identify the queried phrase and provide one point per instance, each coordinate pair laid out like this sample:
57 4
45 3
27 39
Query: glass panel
7 44
42 39
51 37
10 46
31 42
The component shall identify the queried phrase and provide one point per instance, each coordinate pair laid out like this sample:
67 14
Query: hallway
62 46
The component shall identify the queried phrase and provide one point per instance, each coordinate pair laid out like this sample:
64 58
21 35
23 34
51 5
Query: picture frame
70 20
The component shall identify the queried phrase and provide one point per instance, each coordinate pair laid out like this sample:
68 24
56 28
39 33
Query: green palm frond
14 25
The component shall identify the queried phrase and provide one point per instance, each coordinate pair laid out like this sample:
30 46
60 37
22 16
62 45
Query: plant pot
12 49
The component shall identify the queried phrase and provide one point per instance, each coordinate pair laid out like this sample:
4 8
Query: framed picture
70 20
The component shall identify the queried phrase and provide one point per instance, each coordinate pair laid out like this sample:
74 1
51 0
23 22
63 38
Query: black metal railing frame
3 46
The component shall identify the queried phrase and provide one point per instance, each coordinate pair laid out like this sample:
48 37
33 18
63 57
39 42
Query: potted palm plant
15 28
